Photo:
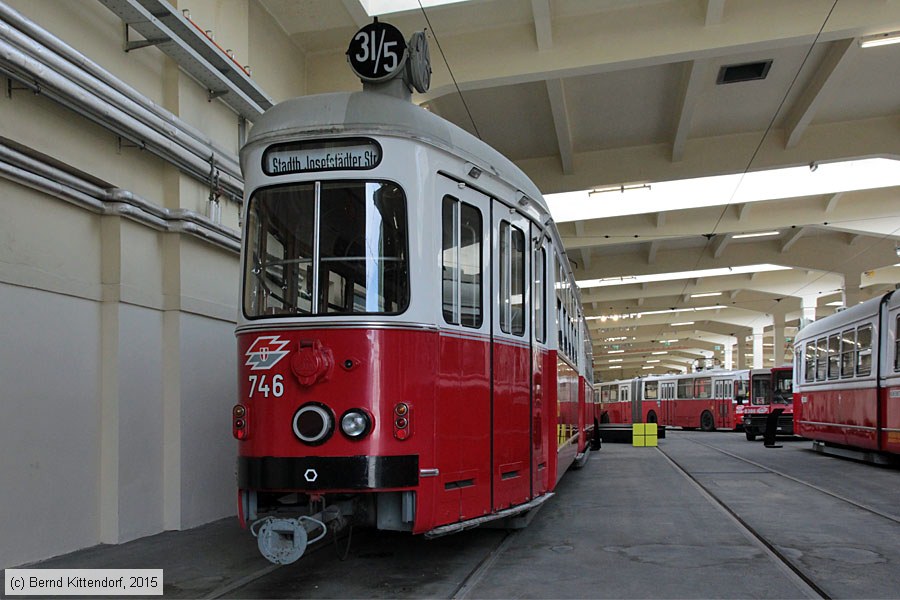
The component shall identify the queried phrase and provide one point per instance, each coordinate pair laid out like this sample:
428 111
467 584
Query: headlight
313 423
356 423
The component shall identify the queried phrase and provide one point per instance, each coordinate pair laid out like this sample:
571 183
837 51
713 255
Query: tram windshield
783 393
331 247
762 389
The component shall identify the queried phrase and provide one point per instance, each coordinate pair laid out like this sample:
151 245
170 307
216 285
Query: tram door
511 340
463 403
625 399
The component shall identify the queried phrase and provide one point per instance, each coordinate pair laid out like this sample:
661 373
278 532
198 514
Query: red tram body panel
847 377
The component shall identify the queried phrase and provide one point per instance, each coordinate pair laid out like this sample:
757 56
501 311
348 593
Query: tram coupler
283 541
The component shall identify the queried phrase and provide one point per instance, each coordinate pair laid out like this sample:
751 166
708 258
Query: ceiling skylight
629 279
375 8
792 182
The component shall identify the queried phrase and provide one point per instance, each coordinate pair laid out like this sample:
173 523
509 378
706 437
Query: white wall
117 351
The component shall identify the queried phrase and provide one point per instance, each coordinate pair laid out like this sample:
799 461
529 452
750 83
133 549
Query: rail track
804 580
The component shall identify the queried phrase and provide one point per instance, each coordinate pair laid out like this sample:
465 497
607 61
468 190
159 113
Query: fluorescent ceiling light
630 279
656 360
665 311
385 7
612 360
706 295
661 352
685 323
645 368
835 303
669 341
615 352
614 367
880 39
753 235
738 188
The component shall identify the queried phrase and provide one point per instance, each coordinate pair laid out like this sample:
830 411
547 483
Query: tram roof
378 113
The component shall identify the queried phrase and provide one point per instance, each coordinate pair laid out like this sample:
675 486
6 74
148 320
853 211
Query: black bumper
757 424
327 473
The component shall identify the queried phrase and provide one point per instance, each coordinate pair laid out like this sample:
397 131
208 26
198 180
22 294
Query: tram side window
834 356
461 263
848 352
651 390
512 279
810 374
613 394
740 391
539 295
897 344
821 359
703 388
685 388
864 351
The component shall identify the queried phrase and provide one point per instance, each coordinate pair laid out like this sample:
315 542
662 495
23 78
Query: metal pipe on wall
38 56
36 174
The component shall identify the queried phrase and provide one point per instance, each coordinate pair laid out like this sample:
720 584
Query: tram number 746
259 384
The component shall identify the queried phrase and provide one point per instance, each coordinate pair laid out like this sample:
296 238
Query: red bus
709 400
847 380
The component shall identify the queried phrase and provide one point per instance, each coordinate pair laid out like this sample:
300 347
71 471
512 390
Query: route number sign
377 52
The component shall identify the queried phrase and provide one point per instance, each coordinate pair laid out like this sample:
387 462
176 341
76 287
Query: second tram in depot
771 390
412 349
847 380
710 400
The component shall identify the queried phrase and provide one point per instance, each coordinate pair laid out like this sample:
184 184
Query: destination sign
332 155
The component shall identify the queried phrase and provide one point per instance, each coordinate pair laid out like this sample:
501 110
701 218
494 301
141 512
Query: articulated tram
413 354
847 380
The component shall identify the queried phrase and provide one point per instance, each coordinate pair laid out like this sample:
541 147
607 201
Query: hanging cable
447 63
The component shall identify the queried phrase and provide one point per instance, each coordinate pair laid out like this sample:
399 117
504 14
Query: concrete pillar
852 295
778 341
758 332
808 306
741 349
729 355
111 274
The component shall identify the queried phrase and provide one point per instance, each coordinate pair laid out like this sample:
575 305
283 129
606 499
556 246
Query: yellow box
644 434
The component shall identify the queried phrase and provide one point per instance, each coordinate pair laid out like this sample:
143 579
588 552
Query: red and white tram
770 390
709 400
412 349
847 379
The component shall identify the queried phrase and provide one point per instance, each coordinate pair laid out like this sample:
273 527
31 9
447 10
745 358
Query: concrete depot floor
628 525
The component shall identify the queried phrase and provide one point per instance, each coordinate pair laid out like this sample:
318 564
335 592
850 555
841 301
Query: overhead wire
765 135
450 70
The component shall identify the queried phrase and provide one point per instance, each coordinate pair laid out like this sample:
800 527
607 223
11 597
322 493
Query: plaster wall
117 361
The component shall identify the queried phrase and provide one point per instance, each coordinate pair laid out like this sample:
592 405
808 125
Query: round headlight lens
313 423
355 423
